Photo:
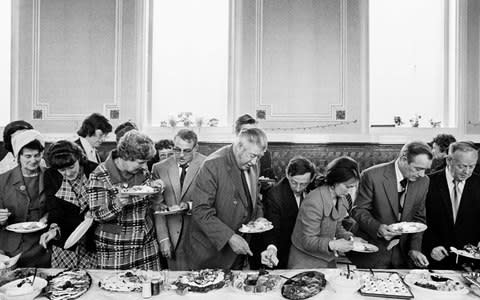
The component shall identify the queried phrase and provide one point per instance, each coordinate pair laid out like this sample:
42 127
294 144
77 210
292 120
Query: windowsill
377 135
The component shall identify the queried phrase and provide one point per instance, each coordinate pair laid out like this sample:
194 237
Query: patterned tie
455 200
401 197
350 203
182 175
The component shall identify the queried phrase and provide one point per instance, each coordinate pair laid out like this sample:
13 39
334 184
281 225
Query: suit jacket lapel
191 172
390 185
174 178
444 193
235 174
290 201
464 202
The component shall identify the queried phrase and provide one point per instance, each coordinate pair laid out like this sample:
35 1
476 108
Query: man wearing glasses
281 205
178 173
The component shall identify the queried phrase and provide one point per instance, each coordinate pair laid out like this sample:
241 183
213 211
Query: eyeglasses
185 151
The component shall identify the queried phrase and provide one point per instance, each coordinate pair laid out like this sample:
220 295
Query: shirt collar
399 176
86 145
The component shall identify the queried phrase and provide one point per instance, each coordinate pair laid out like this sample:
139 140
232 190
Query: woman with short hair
22 199
67 205
318 231
125 237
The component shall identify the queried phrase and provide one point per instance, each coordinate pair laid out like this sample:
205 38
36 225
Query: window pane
190 59
407 61
5 57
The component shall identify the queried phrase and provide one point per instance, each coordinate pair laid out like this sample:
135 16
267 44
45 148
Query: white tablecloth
230 293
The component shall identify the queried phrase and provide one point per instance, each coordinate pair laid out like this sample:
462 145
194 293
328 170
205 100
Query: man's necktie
350 203
182 175
247 191
301 199
455 200
401 197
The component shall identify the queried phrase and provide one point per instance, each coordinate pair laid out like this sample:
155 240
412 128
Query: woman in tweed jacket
125 237
318 231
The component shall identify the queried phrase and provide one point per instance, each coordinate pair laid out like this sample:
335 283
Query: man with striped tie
453 207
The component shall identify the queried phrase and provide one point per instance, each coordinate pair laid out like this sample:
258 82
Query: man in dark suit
177 172
225 196
281 204
93 132
390 193
453 206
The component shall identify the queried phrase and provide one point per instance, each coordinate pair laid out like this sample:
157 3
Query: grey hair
254 136
135 145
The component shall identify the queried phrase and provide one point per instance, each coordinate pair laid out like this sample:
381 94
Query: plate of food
27 227
171 210
126 281
69 284
7 261
364 247
436 284
407 227
345 282
139 190
202 281
23 288
469 251
257 226
384 284
256 282
304 285
263 179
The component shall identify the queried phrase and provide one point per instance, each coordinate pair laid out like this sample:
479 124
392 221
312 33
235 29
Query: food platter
23 288
304 285
407 227
26 227
171 210
125 281
436 284
364 247
258 226
202 281
69 284
384 284
139 190
255 282
469 251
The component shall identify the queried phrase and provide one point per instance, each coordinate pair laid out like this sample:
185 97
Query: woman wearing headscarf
22 199
318 231
125 237
9 161
67 205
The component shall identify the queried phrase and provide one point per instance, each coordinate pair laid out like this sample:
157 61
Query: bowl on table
345 283
22 289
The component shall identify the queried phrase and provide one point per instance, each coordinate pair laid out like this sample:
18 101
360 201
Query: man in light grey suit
390 193
178 173
225 196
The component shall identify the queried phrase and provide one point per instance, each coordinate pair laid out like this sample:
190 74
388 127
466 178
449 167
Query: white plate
410 279
249 229
364 247
408 227
464 253
12 290
26 227
77 234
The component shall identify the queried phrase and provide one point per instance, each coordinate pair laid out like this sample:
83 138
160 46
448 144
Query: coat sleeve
204 195
419 216
101 199
272 213
362 211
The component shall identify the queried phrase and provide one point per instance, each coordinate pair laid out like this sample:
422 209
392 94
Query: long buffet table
230 293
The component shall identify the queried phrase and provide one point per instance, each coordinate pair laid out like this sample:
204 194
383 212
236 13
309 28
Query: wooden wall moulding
50 98
283 76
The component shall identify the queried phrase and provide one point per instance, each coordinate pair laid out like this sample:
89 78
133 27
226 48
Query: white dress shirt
451 187
89 150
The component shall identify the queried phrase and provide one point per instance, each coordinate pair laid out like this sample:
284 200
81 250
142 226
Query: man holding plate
453 207
390 193
178 173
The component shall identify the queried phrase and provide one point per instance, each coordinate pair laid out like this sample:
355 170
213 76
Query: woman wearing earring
22 199
67 205
318 233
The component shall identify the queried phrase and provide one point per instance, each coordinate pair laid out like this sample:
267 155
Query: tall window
189 61
5 57
409 63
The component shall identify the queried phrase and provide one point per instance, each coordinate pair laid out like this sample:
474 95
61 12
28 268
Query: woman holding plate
318 233
22 199
67 205
125 237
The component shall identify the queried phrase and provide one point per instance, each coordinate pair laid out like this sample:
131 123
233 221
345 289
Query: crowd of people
317 217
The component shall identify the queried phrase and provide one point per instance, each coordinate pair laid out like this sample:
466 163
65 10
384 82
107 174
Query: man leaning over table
453 207
225 196
178 173
389 193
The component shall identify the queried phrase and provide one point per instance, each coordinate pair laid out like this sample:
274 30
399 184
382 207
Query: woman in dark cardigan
67 205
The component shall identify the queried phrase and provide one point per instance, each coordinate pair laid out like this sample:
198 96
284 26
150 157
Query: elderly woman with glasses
125 237
22 199
67 205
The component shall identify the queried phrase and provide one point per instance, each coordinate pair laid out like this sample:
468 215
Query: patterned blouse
126 236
